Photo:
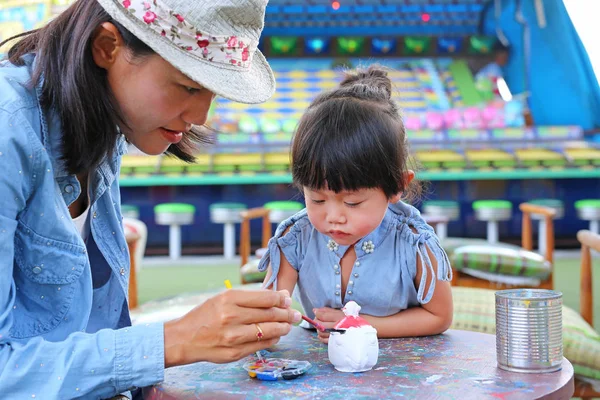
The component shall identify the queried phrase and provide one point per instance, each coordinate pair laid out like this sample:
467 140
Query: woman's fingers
244 334
258 298
273 314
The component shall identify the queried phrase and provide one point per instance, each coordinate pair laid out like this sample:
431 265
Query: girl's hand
327 317
224 328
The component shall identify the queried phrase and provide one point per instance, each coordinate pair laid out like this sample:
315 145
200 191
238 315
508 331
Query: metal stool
130 211
174 215
560 213
227 214
492 211
589 210
442 208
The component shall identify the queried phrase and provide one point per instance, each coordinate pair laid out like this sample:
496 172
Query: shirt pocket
46 275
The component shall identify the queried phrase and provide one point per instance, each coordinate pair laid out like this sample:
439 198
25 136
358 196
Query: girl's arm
428 319
287 275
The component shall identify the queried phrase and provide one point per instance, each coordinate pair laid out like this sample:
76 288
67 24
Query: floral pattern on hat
230 50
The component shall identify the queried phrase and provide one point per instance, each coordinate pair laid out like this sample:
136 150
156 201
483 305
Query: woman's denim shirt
64 319
382 280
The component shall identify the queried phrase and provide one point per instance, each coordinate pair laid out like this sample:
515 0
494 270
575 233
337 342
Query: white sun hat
213 42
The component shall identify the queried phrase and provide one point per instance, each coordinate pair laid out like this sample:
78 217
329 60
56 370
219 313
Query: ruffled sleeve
289 244
409 217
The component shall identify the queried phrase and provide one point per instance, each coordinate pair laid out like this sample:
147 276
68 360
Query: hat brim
251 86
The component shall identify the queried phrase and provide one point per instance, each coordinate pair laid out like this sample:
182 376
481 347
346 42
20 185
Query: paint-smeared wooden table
455 365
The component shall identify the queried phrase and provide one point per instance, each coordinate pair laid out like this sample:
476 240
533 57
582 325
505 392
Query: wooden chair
589 241
461 279
245 244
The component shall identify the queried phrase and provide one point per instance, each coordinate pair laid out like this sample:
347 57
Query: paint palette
272 369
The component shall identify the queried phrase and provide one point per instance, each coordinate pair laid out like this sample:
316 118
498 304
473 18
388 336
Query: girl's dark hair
78 89
352 137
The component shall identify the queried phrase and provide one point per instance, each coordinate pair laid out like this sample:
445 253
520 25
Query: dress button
337 293
37 270
336 266
337 286
337 272
69 189
356 275
122 271
357 263
95 215
349 291
350 283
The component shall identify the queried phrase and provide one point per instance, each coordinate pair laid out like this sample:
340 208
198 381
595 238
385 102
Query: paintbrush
258 354
321 327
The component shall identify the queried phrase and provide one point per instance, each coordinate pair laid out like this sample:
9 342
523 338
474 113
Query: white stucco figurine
357 349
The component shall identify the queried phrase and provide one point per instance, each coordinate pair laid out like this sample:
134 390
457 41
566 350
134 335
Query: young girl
356 240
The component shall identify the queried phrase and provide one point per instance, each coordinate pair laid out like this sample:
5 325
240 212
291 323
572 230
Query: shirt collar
368 244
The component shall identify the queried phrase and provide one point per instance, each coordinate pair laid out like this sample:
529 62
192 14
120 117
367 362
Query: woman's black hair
352 137
78 89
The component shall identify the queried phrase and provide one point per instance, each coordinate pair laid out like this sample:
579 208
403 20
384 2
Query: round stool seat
224 213
551 203
174 214
588 209
129 211
443 208
492 210
282 210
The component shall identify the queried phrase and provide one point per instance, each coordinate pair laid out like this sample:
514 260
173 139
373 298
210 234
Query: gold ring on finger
259 333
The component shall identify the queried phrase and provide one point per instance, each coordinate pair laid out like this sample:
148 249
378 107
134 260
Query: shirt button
336 266
337 272
337 286
37 270
122 271
349 291
357 263
69 189
337 293
356 275
95 215
350 283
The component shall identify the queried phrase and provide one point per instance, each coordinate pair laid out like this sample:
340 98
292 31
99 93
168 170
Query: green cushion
553 203
174 208
595 203
475 310
128 207
250 272
284 205
441 203
501 260
496 204
228 206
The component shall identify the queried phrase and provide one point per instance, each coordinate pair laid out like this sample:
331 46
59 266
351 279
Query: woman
103 73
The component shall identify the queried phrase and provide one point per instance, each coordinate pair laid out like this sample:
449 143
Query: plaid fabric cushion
501 260
452 243
475 310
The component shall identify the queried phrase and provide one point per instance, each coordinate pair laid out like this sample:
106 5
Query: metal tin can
529 330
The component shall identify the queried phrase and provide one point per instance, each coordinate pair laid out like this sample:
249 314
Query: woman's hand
328 317
224 328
